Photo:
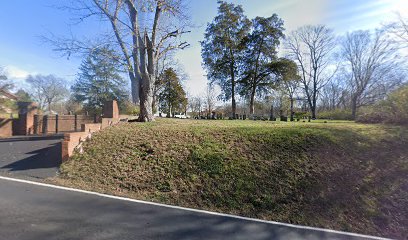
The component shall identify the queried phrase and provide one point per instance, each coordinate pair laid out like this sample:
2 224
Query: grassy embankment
337 175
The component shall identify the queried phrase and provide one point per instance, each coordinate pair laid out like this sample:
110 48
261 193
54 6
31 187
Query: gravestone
213 115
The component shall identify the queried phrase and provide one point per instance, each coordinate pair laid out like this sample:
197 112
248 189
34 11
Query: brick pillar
110 109
26 112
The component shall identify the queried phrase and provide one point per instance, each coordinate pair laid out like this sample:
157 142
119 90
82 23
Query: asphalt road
33 211
30 156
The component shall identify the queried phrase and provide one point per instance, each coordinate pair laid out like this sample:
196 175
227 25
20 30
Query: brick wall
25 122
111 109
74 140
6 127
66 123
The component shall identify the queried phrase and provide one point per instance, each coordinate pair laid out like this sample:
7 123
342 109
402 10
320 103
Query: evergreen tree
173 97
23 96
99 80
222 49
261 52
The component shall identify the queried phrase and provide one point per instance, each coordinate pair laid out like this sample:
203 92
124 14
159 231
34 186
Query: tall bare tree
332 95
373 63
195 105
311 47
290 87
400 29
47 90
210 99
143 31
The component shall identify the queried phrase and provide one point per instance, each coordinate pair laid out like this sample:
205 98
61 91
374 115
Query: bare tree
210 99
311 47
47 90
332 95
290 87
144 31
400 29
373 63
195 105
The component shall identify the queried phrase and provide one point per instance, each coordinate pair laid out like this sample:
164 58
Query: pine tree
173 97
99 80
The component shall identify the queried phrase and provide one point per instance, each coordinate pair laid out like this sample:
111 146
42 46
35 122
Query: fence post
45 124
56 123
95 118
35 124
76 122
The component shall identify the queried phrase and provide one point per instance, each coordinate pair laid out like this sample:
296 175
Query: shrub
300 115
392 110
129 108
371 114
337 114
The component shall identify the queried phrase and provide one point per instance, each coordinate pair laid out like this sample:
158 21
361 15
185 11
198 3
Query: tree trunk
252 102
309 98
146 99
169 111
135 90
49 107
234 105
313 109
154 109
354 107
271 117
291 109
314 99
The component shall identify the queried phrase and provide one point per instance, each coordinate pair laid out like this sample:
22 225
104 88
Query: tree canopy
173 97
47 89
311 47
142 32
258 72
222 49
99 81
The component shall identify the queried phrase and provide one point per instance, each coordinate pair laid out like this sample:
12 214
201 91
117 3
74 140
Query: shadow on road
38 157
74 215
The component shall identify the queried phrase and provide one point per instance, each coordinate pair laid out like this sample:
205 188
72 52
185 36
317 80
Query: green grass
7 115
338 175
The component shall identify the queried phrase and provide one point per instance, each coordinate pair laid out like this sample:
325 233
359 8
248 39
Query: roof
8 95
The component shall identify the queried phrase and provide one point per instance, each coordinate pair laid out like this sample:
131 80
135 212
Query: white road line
190 209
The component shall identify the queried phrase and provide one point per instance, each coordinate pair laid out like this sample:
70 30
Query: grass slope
337 175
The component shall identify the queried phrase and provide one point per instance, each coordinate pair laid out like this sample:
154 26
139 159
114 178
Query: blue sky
22 22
